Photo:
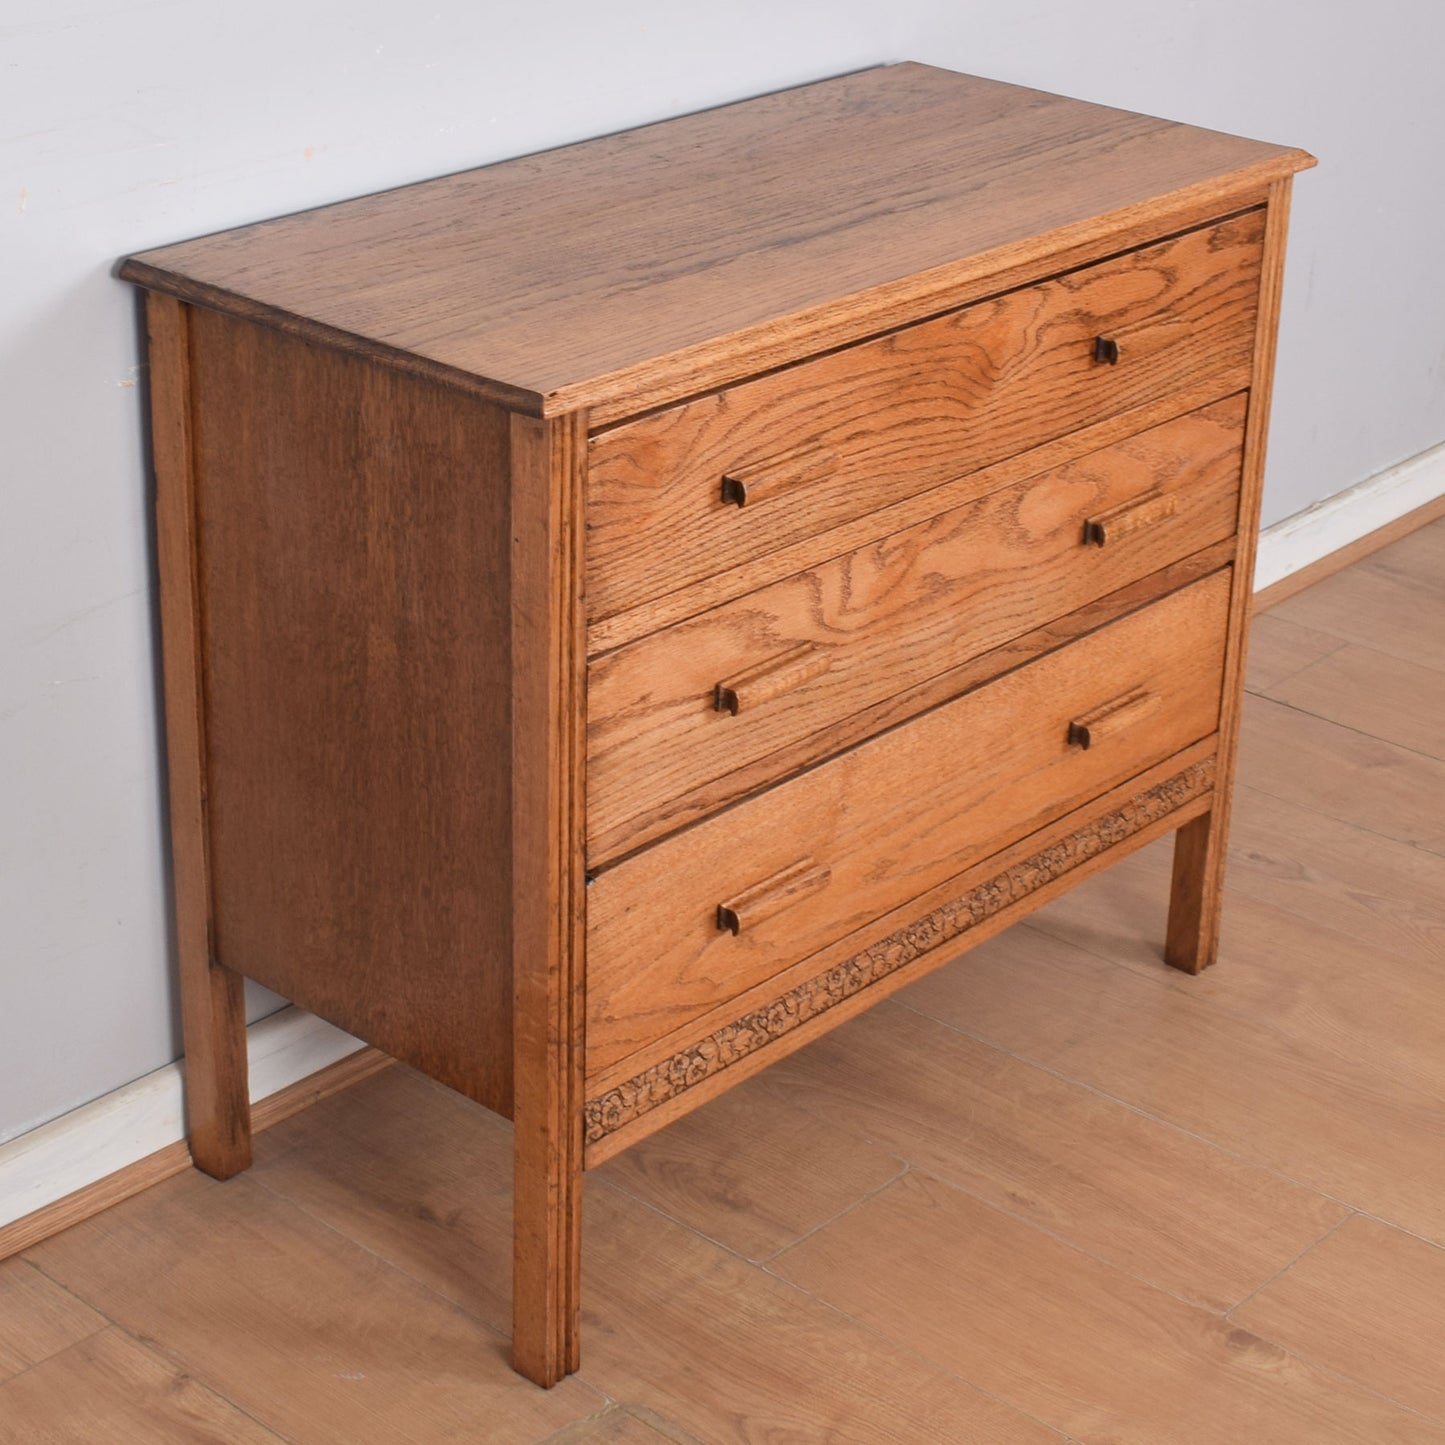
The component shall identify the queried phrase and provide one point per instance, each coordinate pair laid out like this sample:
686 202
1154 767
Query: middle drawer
672 715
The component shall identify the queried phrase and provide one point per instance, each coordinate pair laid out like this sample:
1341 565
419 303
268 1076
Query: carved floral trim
814 996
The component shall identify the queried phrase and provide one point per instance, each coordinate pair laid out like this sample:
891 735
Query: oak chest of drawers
629 608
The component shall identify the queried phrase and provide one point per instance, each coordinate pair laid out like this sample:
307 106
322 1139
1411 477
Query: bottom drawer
702 916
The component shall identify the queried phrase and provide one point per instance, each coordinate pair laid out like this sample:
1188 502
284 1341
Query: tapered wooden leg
1197 892
213 1017
546 1258
218 1106
548 891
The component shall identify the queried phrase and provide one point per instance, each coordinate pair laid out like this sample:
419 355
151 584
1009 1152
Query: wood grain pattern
753 1172
1372 692
1364 1126
357 641
112 1388
1343 774
1279 648
890 819
864 427
1381 604
309 1333
1197 890
213 1005
1369 1302
38 1319
548 726
607 847
605 634
734 1355
1099 852
526 274
886 617
962 589
1073 1342
721 1049
1159 1204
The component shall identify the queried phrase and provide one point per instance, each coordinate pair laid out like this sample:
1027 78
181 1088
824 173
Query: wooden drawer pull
1112 718
1134 516
747 486
772 678
771 896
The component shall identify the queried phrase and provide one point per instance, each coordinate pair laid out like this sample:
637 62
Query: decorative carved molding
734 1041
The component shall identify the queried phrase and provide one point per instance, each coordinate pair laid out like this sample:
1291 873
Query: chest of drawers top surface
761 230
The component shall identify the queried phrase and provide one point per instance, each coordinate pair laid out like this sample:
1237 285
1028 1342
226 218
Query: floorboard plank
1158 1203
1373 692
735 1356
1368 1302
1383 602
1325 873
38 1318
1339 1122
1279 648
1343 774
308 1333
1069 1339
753 1170
111 1389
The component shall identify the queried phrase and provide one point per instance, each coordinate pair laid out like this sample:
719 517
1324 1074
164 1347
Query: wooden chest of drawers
627 609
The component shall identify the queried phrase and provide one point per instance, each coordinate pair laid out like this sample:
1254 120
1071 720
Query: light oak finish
1366 1303
1197 891
115 1389
1120 1155
888 821
766 1023
252 1281
613 639
1141 1367
38 1319
818 647
213 1004
826 236
868 426
1373 692
352 545
548 726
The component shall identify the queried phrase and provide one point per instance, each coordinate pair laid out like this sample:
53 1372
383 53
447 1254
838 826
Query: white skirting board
1314 533
123 1127
126 1125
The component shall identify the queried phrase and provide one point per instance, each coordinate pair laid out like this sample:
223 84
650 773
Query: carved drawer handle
747 486
772 678
772 895
1112 718
1134 516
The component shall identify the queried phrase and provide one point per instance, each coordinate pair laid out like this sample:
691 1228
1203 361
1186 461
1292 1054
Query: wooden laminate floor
1053 1192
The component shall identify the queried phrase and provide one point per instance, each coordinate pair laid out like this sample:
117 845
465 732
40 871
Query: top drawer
702 487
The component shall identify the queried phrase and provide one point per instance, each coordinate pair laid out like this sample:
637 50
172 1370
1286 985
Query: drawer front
695 920
696 702
697 489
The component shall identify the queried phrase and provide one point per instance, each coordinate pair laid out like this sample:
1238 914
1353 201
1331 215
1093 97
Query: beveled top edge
835 209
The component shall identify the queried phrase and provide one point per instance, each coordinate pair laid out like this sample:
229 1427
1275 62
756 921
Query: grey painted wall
125 125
